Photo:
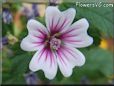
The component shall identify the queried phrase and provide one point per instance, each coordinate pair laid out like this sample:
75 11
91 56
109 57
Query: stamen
55 43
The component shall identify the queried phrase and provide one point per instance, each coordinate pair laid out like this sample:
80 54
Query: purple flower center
52 41
55 43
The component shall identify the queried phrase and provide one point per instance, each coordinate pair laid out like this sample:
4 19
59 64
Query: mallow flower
7 16
31 78
56 43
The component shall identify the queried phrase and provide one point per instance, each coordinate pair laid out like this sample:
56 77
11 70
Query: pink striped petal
77 35
52 16
44 60
57 21
68 58
67 18
36 28
37 34
31 43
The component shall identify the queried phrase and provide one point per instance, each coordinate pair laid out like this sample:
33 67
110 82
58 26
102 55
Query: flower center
55 43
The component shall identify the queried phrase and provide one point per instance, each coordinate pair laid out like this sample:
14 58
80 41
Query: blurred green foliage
99 62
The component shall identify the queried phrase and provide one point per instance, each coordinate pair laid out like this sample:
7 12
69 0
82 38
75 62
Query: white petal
52 15
31 43
49 65
58 21
67 15
68 58
35 27
36 36
77 35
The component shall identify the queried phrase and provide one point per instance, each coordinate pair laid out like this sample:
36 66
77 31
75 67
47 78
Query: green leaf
19 67
42 20
96 34
98 66
7 28
6 66
16 49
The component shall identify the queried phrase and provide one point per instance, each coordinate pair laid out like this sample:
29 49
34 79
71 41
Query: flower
4 40
35 10
31 78
52 2
56 45
30 12
84 80
27 12
7 16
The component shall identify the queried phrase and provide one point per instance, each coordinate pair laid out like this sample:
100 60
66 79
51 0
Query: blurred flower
12 39
52 2
107 43
103 44
8 51
30 13
4 40
7 16
35 10
84 80
55 45
31 79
